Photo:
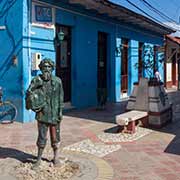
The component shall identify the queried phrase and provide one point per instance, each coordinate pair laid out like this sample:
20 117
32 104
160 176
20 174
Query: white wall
168 72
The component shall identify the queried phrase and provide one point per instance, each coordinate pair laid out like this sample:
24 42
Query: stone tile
130 178
150 176
161 170
169 176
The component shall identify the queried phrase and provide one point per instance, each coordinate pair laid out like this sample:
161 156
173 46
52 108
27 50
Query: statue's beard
46 76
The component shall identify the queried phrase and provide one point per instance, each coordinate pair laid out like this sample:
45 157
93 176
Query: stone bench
130 119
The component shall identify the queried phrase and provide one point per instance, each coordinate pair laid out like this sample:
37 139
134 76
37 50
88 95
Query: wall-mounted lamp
59 38
14 60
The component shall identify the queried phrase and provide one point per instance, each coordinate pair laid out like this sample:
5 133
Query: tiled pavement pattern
155 156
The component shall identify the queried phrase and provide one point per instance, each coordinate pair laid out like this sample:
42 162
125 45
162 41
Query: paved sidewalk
155 156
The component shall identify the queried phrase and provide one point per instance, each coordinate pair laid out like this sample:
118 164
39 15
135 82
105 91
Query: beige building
172 50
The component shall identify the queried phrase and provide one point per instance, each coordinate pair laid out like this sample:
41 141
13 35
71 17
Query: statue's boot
38 162
56 160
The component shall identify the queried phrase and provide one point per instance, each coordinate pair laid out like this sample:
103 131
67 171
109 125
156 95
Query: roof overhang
123 15
173 39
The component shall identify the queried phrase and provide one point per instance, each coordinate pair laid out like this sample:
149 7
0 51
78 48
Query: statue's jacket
46 99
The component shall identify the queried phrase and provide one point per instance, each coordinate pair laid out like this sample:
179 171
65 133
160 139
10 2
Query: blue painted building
102 44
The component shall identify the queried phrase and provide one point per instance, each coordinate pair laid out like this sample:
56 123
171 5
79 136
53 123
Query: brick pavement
155 156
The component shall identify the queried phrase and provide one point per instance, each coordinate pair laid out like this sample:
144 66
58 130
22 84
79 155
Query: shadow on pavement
114 130
174 129
6 152
105 115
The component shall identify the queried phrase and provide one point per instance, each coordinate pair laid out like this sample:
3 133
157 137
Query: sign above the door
43 16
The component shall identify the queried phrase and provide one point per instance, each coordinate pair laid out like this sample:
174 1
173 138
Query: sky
163 10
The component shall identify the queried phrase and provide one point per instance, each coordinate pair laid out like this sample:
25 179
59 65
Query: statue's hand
60 115
38 110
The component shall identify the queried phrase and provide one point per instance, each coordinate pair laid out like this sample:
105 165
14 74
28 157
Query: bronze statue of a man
45 97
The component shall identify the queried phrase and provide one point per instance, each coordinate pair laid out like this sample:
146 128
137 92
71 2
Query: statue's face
46 71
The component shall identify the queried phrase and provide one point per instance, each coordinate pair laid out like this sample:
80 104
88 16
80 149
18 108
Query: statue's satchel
35 100
28 101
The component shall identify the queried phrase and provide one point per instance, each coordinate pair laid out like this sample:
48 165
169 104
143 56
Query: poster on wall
43 15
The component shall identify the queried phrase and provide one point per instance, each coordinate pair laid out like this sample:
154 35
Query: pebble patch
97 149
46 171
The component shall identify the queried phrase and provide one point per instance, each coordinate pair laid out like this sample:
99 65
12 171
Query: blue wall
160 64
11 77
117 73
84 55
132 61
24 39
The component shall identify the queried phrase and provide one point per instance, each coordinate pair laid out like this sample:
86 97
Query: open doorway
63 61
124 68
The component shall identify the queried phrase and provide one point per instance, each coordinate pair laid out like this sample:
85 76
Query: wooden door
63 61
140 61
124 66
178 62
174 68
102 60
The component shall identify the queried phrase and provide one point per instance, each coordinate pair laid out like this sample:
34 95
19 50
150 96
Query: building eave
173 39
123 14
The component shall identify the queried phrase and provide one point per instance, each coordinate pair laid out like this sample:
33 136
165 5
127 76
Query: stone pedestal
159 108
132 97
